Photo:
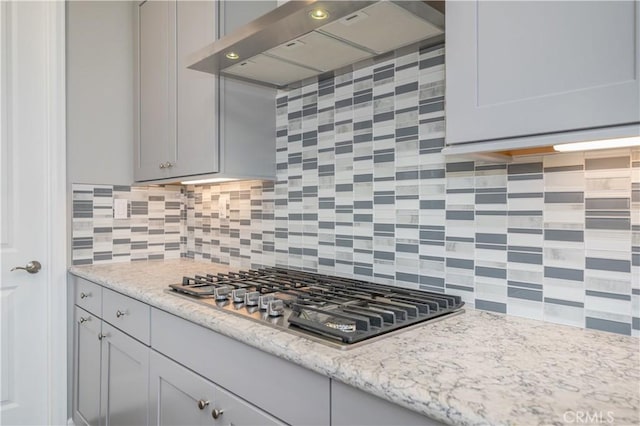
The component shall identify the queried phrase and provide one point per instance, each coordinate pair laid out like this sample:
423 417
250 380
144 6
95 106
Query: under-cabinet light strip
202 181
601 144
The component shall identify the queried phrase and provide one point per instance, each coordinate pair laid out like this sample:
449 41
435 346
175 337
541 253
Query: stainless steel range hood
290 44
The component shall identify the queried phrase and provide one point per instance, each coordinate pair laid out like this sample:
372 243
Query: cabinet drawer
127 314
88 295
265 380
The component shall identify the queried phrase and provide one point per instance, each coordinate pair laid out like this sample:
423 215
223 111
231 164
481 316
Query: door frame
57 239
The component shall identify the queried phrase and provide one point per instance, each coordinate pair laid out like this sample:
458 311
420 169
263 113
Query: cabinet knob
102 336
120 314
162 165
83 320
202 404
216 413
168 164
84 295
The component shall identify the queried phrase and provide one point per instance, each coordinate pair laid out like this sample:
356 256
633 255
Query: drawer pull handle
83 320
120 313
216 413
84 295
202 404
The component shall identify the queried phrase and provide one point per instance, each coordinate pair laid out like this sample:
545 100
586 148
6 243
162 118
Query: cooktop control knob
275 308
252 298
264 301
222 292
237 295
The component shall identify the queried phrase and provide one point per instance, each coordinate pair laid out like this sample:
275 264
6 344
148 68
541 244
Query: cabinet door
125 379
232 410
156 139
197 146
177 395
530 67
86 362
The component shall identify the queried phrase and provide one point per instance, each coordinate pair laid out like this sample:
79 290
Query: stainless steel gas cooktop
337 311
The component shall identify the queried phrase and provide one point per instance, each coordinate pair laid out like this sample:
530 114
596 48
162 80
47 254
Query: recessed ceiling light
601 144
319 14
232 55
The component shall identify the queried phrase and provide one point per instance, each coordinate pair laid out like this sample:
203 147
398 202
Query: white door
32 226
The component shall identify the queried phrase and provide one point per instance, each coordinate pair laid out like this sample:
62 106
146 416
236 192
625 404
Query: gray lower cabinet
86 361
526 68
178 397
286 391
111 374
351 407
125 379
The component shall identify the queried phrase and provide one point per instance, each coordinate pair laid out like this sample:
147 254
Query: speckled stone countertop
472 369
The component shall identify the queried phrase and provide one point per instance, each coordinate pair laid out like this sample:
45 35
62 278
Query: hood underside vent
289 44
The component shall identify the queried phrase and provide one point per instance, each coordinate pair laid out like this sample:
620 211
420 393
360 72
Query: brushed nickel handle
120 313
102 336
84 295
83 320
202 404
168 164
32 267
162 166
216 413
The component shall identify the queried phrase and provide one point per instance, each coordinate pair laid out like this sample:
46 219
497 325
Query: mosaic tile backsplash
362 190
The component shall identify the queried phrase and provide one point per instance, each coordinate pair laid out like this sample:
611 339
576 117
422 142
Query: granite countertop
472 369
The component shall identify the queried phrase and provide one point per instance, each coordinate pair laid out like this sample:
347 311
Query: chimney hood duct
287 45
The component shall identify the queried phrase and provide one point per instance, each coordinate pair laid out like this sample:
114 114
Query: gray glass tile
521 293
483 271
564 273
464 166
607 203
613 265
486 305
563 197
459 263
459 215
531 258
563 235
608 223
608 325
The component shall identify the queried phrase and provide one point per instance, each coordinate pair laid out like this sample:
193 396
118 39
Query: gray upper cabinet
156 141
191 124
517 69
